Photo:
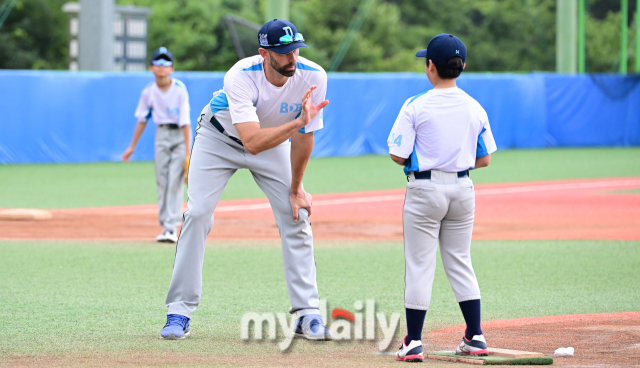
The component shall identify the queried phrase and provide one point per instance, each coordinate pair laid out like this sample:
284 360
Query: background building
129 38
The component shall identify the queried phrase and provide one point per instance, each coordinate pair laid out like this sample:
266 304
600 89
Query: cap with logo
280 36
162 57
443 47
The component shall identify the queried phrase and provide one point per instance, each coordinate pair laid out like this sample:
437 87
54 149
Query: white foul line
243 207
325 202
540 188
385 198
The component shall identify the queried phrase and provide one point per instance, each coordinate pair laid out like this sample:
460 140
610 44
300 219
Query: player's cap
443 47
280 36
162 56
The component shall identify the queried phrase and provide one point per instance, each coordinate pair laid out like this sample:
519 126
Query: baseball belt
426 175
218 126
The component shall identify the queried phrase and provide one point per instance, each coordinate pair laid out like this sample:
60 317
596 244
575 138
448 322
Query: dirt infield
576 209
599 340
607 339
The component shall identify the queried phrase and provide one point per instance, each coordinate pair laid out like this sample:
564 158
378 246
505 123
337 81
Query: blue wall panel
514 104
48 116
593 110
362 108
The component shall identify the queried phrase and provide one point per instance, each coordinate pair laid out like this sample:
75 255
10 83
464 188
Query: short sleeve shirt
442 129
168 107
247 96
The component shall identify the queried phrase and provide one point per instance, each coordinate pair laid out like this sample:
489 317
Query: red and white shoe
477 346
410 353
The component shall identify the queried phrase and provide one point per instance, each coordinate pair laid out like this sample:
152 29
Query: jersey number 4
397 140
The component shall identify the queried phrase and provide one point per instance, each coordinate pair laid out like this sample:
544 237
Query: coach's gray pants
438 210
214 159
169 162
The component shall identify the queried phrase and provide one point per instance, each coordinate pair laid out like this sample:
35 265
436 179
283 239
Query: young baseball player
263 120
439 136
166 101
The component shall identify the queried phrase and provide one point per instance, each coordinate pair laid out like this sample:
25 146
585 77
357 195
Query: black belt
217 125
426 175
170 126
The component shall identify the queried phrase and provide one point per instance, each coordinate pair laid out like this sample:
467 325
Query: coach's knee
199 214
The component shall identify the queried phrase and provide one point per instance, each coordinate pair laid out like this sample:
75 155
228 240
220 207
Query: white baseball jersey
247 95
442 129
168 107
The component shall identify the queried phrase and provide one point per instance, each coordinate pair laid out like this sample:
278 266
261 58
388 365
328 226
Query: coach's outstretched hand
309 110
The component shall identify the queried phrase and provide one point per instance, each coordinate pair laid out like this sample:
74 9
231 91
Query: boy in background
166 101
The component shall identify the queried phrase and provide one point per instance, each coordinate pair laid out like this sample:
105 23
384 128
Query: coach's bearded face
287 64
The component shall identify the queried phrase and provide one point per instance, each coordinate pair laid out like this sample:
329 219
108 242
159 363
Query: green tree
507 35
194 30
35 36
602 34
383 43
500 35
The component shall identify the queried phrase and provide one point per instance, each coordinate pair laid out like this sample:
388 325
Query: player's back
447 123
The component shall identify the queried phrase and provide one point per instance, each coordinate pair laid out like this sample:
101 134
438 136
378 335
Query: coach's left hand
300 199
309 110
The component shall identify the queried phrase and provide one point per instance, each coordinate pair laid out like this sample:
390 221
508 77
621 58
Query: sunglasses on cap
162 62
284 40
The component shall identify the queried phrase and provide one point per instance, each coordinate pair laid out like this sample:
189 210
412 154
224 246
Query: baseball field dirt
606 339
63 301
569 209
574 209
599 340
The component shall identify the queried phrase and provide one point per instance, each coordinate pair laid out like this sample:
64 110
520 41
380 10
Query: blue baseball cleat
310 327
177 327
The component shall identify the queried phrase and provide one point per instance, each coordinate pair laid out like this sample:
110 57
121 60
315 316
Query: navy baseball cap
280 36
443 47
162 56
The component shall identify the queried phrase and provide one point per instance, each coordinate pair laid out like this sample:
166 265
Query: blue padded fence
49 116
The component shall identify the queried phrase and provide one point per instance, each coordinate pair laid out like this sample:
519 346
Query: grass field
102 303
111 184
79 299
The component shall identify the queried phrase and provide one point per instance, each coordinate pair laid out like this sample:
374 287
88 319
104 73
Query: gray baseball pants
438 210
214 159
169 163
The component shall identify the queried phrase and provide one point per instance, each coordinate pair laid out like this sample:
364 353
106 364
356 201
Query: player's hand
309 110
126 156
299 200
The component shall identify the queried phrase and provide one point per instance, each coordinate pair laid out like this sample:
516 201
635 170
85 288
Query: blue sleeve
481 149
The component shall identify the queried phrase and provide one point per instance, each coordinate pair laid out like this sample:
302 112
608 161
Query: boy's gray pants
169 162
214 159
438 210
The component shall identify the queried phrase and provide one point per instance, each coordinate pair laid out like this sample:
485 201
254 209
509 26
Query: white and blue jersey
442 129
247 95
168 107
